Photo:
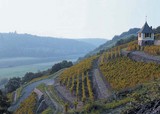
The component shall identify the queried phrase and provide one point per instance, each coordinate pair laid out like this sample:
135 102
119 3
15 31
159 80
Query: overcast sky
77 18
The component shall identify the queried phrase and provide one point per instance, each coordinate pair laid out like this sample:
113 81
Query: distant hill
116 38
157 30
26 45
94 41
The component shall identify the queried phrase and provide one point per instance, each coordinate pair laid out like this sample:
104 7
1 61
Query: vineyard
78 81
114 52
153 50
28 106
111 54
122 72
132 46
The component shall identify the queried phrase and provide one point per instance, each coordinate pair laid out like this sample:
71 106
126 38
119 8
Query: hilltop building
146 35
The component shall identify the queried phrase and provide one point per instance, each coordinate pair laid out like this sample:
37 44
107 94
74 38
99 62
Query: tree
3 81
61 65
4 104
13 84
28 77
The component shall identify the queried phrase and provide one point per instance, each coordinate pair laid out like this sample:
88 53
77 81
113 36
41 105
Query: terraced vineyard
122 72
109 76
28 106
111 54
78 81
152 50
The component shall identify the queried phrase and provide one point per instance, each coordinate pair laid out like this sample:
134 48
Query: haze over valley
21 53
79 57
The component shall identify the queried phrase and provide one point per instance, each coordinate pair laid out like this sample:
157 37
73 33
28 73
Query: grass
117 103
45 77
19 94
19 90
10 97
124 49
48 111
23 69
38 79
55 95
41 87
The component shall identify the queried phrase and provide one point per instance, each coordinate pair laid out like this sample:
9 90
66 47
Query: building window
147 34
139 34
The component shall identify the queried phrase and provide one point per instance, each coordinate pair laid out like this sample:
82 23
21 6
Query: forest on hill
26 45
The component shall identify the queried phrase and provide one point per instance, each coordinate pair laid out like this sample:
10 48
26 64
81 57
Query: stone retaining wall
141 57
157 42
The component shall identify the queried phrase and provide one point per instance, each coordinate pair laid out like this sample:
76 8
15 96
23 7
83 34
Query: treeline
16 82
122 43
4 104
127 40
3 81
61 65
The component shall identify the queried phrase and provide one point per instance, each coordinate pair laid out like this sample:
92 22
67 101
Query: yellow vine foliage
28 106
153 50
123 73
77 80
132 46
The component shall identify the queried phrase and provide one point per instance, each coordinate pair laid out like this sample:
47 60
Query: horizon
77 38
76 19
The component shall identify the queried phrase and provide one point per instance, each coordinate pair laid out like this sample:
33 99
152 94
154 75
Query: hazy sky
77 18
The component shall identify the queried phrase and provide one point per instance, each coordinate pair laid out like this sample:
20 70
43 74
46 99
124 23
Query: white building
146 35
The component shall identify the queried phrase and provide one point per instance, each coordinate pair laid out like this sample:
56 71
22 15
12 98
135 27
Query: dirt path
141 56
67 96
58 107
27 91
147 56
103 88
15 96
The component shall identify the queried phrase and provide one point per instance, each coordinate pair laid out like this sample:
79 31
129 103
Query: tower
145 35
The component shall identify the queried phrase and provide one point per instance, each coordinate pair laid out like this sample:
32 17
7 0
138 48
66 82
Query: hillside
121 82
125 35
95 41
25 45
123 79
111 82
113 41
